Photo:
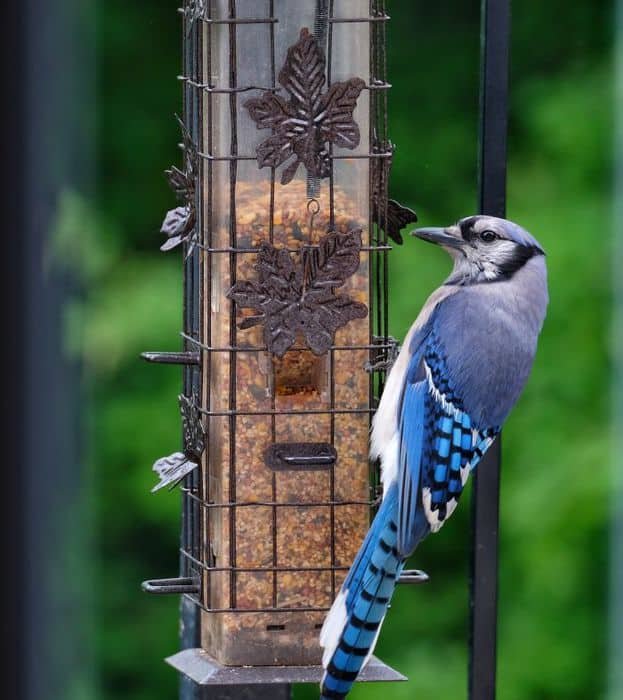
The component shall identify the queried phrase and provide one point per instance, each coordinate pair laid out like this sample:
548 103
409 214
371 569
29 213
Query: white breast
385 437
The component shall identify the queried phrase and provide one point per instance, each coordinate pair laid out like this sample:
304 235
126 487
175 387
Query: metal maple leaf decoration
173 468
292 299
303 125
194 11
396 216
179 223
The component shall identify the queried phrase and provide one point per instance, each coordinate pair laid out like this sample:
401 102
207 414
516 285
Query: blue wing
439 446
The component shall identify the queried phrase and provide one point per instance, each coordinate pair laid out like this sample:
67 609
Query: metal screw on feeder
284 225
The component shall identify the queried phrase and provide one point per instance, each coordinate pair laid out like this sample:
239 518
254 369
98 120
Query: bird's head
484 248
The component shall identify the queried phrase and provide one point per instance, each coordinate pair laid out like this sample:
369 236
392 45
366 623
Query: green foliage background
554 532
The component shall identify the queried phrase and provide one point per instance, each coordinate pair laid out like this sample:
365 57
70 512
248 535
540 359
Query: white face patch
480 261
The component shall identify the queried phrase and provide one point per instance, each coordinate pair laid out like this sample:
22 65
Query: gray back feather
488 334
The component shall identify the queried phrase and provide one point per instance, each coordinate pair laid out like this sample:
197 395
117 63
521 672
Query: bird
462 366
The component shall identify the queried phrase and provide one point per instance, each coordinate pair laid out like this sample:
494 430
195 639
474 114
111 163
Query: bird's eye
488 236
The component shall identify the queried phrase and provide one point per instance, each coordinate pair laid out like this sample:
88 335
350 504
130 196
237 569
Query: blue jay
461 369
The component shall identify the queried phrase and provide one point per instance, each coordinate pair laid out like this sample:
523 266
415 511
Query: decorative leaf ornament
194 11
173 468
179 223
309 119
396 216
192 427
291 299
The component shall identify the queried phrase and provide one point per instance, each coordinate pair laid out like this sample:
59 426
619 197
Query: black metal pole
13 20
495 35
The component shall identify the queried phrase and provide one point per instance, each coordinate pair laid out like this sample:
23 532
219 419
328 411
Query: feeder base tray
201 668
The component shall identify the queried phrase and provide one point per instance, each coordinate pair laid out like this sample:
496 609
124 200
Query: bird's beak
441 236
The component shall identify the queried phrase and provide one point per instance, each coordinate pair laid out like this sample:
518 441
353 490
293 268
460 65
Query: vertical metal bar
495 38
190 617
271 239
495 33
329 55
324 11
373 282
381 39
233 356
207 204
379 140
321 20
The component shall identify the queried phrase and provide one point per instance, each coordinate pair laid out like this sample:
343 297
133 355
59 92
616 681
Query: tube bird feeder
283 223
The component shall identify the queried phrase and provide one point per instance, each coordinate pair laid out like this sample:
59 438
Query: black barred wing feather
453 446
452 450
440 447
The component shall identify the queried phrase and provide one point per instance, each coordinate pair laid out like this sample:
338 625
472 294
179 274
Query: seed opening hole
300 373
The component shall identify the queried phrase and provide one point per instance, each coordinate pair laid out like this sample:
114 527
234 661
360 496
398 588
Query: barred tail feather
352 626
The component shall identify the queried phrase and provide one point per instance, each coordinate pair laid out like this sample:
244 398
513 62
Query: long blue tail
353 623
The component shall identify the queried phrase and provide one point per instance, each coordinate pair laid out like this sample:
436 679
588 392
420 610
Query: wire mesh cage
284 228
